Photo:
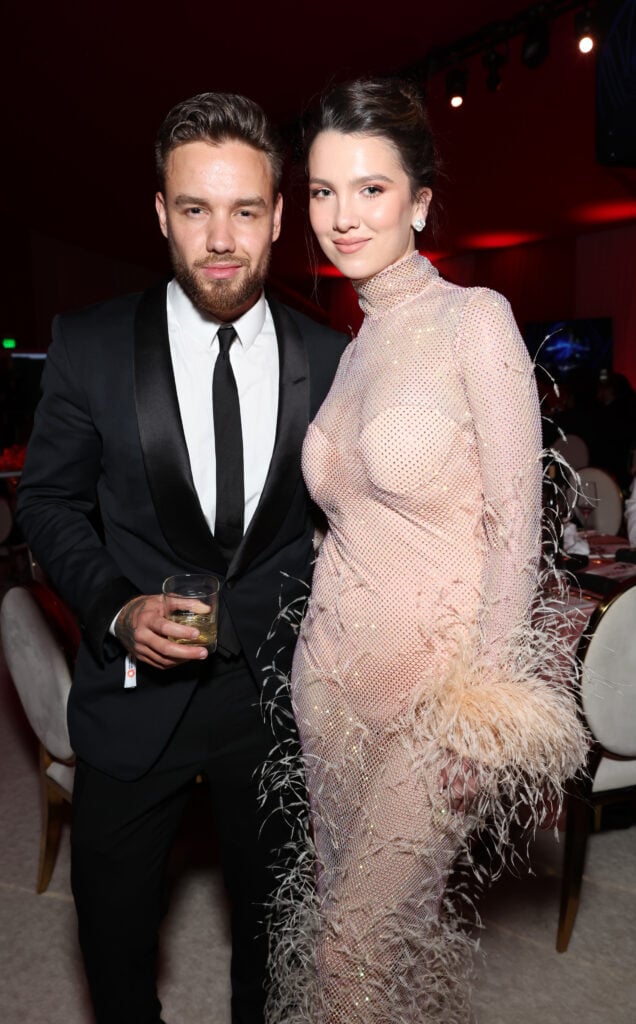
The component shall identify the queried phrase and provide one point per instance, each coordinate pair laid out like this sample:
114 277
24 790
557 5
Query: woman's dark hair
218 117
389 108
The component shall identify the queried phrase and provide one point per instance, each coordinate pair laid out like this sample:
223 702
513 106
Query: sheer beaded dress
417 651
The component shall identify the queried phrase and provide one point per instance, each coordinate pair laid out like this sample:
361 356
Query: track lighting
493 61
536 45
456 83
532 26
584 28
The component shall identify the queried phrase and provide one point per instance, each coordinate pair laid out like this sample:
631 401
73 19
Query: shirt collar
200 328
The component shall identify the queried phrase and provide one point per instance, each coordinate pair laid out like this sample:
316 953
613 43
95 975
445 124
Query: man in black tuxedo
167 442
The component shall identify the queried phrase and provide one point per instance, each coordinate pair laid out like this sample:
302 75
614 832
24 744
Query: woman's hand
459 782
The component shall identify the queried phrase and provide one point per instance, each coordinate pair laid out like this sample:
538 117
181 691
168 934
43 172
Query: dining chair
6 525
608 514
40 638
18 556
607 696
573 449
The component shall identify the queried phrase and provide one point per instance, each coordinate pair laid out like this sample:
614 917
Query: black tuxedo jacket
108 506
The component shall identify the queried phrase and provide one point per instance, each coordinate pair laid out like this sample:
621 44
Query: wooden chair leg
52 818
577 830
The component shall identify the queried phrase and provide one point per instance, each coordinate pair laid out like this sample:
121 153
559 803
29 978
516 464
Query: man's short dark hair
218 117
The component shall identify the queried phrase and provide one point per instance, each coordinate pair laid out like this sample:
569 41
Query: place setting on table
593 564
592 574
583 533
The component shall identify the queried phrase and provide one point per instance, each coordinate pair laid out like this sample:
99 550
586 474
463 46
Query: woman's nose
345 216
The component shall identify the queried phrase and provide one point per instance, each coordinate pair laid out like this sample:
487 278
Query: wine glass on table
586 502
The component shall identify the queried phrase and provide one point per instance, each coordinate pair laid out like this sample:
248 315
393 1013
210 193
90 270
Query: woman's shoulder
475 299
486 325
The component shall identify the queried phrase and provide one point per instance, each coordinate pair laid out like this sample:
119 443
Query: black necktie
228 443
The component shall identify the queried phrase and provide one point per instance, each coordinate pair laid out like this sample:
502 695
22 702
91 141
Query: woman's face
360 203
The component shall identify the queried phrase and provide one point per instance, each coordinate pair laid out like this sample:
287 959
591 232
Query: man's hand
146 633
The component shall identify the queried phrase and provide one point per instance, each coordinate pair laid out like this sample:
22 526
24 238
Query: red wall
589 275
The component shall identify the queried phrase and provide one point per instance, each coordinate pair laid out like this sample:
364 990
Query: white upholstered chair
40 639
573 449
608 514
608 704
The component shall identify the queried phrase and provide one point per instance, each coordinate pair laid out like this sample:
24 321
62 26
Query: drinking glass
586 502
192 599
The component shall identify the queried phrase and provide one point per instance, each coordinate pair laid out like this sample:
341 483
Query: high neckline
396 284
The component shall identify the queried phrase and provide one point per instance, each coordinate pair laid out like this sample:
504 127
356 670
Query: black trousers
122 833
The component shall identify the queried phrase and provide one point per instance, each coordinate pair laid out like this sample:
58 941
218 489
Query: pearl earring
419 224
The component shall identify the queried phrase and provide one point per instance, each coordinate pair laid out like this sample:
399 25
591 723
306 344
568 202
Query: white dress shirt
194 348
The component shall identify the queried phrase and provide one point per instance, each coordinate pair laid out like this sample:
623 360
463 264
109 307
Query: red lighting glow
605 212
435 255
328 270
498 239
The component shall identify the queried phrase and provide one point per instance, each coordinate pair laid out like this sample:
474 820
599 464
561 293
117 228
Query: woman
415 686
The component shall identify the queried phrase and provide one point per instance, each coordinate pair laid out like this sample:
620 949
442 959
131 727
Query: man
165 443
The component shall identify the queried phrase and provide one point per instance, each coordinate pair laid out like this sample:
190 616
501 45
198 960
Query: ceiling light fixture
536 45
584 28
493 61
456 84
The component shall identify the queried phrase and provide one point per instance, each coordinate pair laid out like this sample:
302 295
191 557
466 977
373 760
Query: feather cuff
504 718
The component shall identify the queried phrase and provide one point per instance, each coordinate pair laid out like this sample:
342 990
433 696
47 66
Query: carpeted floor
522 980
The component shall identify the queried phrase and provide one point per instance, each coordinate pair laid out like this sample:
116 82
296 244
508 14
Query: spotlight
584 28
456 83
536 45
493 61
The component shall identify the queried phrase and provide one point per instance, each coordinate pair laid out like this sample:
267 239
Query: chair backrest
573 449
608 674
39 668
608 514
6 520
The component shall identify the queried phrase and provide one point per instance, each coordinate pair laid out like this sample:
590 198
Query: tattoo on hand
128 621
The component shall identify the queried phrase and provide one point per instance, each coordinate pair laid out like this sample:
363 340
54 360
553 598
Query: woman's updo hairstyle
389 108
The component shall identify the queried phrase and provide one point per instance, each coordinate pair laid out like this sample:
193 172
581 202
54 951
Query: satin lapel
291 427
163 442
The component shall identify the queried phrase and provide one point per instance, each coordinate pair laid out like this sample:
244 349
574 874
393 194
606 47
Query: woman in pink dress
416 685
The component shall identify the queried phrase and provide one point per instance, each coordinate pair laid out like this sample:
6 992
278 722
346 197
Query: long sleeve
502 396
57 498
500 705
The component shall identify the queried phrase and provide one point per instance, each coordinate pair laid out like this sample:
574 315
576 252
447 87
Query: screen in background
566 348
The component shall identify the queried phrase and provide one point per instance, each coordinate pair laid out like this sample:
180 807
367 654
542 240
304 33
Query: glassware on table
192 599
586 501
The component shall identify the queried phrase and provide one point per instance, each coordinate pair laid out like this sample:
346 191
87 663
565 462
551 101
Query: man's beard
220 299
